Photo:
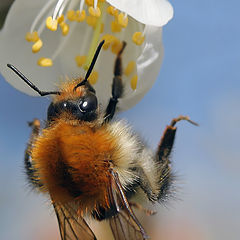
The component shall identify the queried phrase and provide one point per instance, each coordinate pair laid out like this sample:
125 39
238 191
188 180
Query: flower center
106 22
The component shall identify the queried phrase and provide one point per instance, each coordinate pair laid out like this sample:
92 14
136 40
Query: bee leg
117 87
29 168
163 155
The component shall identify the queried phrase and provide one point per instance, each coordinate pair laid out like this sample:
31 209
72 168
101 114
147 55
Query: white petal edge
148 67
151 12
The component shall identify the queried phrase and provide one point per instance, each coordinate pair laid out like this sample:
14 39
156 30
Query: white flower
68 50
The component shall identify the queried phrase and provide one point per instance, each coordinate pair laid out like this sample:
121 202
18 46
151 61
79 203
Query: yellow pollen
32 37
37 46
89 2
112 11
91 21
138 38
60 19
81 15
71 15
122 20
51 24
93 77
108 40
116 46
65 28
80 60
45 62
115 26
95 12
134 82
130 68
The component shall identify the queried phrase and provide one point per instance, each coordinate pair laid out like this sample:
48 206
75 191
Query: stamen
65 28
138 38
123 20
93 78
108 40
112 11
71 15
80 60
45 62
81 5
37 46
60 19
32 36
91 21
95 12
95 4
134 82
130 68
81 15
57 8
115 26
51 24
89 2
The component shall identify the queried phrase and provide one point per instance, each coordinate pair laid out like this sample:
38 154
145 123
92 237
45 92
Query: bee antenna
29 83
91 65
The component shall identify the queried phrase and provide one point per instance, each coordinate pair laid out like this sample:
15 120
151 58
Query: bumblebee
91 166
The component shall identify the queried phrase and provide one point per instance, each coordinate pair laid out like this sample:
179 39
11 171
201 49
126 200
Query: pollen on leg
95 12
123 20
93 77
37 46
80 60
45 62
130 68
134 82
51 24
138 38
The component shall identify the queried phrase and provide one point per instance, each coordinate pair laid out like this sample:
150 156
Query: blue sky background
200 78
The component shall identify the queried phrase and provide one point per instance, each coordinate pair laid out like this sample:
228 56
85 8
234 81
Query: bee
91 165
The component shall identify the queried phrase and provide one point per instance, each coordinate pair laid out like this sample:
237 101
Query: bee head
77 99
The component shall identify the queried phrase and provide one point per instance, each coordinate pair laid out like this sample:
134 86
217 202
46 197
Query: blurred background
199 78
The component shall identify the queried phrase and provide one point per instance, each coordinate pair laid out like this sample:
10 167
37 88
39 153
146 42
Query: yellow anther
95 12
71 15
91 21
89 2
51 24
138 38
134 82
65 28
80 60
45 62
116 46
122 20
112 11
130 68
115 26
32 37
60 19
37 46
81 15
93 78
108 40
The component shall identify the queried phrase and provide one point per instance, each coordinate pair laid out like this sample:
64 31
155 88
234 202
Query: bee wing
124 225
71 225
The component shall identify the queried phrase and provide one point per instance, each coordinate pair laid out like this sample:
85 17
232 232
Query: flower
51 39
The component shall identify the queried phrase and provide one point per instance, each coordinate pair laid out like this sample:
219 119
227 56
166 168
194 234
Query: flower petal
151 12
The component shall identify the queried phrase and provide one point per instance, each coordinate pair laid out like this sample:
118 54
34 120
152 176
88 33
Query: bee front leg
117 86
29 166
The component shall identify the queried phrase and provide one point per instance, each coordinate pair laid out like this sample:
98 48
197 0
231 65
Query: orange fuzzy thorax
87 152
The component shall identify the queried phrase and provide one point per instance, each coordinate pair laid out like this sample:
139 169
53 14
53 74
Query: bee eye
88 103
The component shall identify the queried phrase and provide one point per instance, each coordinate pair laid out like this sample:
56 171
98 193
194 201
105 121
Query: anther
108 40
115 26
130 68
138 38
112 11
51 24
45 62
32 37
71 15
123 20
65 28
60 19
80 15
37 46
91 21
89 2
80 60
134 82
95 12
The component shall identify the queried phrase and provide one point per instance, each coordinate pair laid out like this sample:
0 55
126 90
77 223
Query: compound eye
88 103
